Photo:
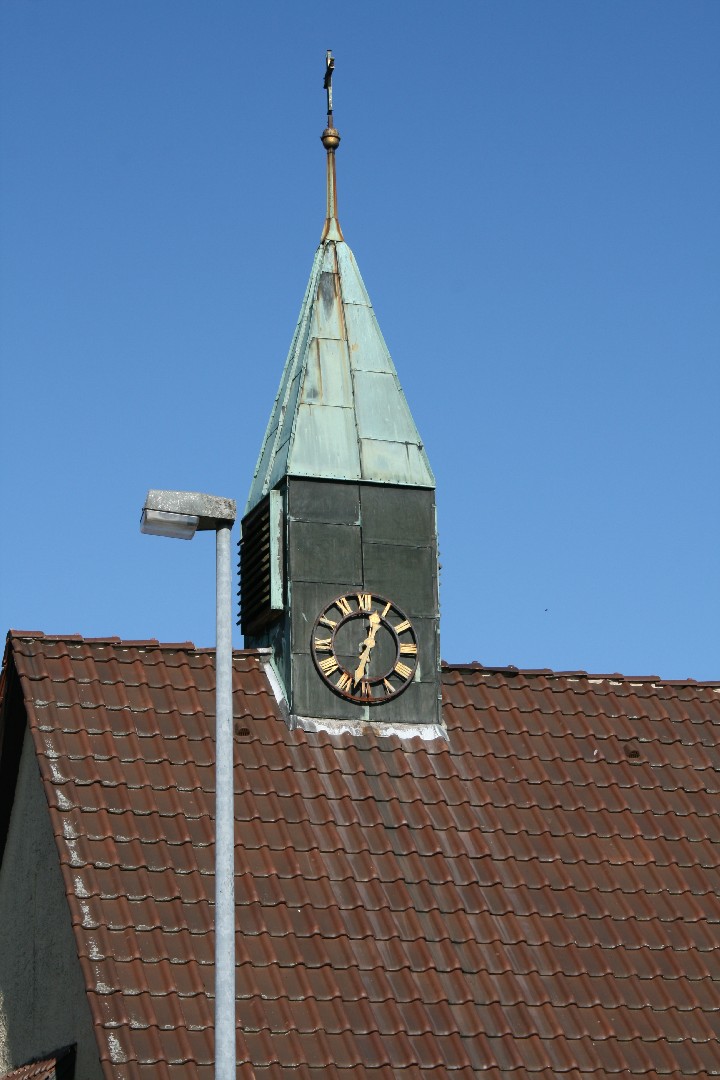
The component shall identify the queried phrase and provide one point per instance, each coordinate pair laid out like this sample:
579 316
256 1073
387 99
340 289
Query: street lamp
180 514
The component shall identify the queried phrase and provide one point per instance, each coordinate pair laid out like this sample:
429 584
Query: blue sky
531 191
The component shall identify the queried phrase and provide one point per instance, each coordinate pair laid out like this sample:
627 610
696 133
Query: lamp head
181 513
165 523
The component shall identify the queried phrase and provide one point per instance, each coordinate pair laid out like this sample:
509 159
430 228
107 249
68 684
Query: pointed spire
330 140
340 412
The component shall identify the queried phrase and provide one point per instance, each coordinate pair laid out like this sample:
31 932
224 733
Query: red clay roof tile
538 895
59 1066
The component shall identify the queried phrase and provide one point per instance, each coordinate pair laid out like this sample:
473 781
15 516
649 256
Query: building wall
43 1004
376 538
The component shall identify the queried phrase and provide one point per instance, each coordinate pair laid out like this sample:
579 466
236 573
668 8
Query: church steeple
340 413
339 547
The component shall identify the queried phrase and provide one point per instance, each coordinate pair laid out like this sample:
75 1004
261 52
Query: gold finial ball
330 138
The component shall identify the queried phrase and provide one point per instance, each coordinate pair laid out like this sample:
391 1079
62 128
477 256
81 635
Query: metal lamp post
180 514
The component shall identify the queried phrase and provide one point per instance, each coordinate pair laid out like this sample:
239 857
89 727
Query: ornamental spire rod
330 140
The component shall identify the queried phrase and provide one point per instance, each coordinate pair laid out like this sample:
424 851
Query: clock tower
338 554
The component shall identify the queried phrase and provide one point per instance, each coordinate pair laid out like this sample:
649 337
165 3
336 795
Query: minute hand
369 644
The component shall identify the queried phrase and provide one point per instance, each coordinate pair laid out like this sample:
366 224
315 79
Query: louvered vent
261 565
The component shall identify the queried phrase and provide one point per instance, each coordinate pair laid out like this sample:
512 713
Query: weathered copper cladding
537 896
340 412
358 513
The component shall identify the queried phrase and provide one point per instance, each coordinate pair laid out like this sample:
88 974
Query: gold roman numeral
344 681
330 623
365 601
365 690
402 670
385 610
409 649
388 687
404 625
329 665
323 644
342 604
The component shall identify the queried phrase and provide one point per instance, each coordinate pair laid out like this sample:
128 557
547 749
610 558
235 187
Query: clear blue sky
531 191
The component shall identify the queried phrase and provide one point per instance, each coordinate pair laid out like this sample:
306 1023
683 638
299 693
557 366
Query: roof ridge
472 665
153 643
615 676
110 639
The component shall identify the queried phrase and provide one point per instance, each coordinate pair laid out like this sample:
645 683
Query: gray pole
224 818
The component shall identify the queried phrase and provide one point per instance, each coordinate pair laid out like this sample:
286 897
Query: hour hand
368 645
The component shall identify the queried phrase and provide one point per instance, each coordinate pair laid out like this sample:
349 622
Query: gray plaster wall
43 1005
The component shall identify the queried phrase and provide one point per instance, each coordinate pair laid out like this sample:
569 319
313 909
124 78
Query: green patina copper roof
340 412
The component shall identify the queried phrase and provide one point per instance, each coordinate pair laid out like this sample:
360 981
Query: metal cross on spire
330 140
327 84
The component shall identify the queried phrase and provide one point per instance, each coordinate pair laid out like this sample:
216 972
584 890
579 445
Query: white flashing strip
428 732
276 687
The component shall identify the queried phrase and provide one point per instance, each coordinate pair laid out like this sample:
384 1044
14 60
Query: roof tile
538 895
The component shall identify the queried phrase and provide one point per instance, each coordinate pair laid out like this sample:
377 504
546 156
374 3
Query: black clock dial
364 648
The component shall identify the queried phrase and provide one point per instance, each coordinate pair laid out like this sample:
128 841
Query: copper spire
330 140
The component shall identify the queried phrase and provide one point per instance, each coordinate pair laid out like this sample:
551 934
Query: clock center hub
372 646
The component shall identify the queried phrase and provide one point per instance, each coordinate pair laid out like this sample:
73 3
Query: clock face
364 648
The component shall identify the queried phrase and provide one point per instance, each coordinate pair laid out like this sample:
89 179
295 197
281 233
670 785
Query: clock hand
364 659
369 644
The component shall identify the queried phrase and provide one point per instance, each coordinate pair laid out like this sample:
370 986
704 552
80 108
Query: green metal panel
340 413
277 553
327 375
346 537
265 468
353 286
381 409
367 347
327 321
325 443
403 462
330 501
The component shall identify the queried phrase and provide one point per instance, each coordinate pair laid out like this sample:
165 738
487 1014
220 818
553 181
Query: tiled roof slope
38 1070
61 1066
540 895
